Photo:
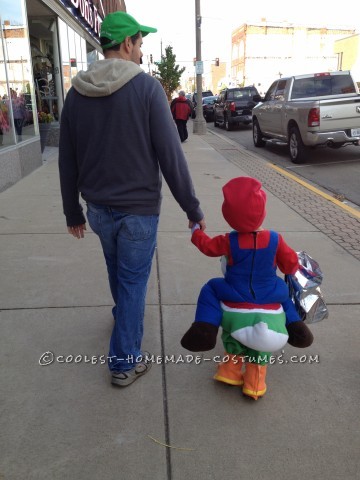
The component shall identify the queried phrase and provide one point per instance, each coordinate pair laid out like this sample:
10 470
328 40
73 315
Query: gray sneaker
123 379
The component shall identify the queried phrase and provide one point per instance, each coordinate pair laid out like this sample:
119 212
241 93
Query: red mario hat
244 204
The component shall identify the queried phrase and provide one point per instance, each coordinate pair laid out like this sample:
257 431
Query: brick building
264 51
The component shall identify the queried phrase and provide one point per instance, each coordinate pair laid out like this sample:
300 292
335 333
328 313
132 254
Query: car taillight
232 107
314 117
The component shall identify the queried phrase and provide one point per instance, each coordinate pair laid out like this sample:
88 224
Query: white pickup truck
321 109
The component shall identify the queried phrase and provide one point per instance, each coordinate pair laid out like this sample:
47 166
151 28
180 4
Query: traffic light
151 58
216 61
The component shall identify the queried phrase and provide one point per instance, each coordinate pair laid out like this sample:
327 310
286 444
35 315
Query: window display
16 80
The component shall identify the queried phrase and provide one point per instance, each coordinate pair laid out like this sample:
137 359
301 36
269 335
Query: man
181 110
116 136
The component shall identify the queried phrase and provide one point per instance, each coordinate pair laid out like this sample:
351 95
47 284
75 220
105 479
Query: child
253 255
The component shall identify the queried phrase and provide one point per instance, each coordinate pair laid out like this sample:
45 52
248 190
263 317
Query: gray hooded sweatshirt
117 139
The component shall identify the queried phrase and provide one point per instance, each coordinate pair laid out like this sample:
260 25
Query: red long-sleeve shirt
286 258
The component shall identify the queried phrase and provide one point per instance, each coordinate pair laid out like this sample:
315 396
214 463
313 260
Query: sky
13 11
175 22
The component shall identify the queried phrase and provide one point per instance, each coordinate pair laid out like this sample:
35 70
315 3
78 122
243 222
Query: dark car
234 106
208 108
205 93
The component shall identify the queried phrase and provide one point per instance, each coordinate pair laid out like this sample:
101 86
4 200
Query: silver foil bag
304 287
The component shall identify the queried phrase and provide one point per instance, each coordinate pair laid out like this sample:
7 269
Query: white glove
195 227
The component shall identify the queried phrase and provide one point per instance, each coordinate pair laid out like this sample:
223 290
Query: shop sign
86 13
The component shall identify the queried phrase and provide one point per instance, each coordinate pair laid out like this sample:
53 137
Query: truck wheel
297 149
228 125
257 135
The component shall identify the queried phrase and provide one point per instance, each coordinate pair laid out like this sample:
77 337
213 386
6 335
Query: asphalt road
337 171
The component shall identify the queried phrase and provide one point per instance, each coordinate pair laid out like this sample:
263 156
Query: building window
76 54
17 95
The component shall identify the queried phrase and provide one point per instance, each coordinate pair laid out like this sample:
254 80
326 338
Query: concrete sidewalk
65 420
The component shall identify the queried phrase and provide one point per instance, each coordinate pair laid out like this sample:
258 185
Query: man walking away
117 137
181 110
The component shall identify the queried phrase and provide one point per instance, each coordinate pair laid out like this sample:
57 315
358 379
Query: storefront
43 44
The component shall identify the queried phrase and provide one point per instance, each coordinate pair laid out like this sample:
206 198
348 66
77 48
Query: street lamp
199 122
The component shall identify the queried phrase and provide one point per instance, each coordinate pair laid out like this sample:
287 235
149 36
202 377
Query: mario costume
251 303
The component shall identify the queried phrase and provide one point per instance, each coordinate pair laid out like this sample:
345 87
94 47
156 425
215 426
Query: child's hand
196 226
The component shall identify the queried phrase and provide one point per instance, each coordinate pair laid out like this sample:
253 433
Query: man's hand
77 231
202 224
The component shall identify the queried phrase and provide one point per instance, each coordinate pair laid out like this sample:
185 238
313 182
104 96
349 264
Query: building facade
348 53
43 44
264 51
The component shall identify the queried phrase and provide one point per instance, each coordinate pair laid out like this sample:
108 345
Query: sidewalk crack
163 374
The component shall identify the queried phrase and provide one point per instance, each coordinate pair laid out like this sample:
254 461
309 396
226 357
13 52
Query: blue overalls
252 279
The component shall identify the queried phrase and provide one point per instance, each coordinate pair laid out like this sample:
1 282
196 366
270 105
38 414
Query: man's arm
173 108
68 172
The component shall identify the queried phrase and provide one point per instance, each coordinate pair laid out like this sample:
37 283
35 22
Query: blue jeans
128 242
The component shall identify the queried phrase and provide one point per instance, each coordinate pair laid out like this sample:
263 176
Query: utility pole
199 122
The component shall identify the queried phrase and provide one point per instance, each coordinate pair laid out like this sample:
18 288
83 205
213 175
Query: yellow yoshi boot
229 371
254 380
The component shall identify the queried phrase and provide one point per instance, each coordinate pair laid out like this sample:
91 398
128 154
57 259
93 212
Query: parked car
208 108
309 111
205 93
234 106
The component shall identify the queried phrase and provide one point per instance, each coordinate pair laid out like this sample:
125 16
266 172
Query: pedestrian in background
19 112
116 139
181 110
4 121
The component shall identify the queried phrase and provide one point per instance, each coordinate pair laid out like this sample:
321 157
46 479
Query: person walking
181 110
117 140
19 112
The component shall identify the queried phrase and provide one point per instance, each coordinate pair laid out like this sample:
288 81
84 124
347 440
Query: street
337 171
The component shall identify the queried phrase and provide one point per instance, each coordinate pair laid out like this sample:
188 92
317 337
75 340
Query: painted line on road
349 209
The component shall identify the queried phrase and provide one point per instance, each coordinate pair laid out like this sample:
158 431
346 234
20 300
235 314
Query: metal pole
199 122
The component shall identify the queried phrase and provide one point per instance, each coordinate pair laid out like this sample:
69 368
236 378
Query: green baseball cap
117 26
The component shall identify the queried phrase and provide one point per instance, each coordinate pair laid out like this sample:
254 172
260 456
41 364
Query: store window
76 53
45 60
17 96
